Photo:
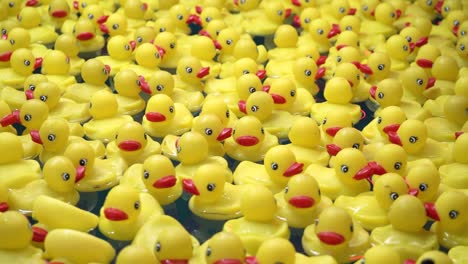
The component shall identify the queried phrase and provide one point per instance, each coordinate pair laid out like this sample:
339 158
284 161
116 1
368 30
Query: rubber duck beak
438 6
377 169
247 141
413 191
4 207
421 41
228 261
59 13
225 133
455 30
5 36
335 30
294 169
331 131
161 51
331 238
296 21
296 2
242 106
203 72
198 9
340 46
431 211
320 73
104 28
165 182
144 86
195 19
80 173
301 201
372 91
266 88
174 261
190 187
32 2
412 46
236 2
333 149
424 63
278 99
430 82
132 44
10 119
287 12
155 117
394 138
114 214
129 145
76 5
102 19
36 137
364 68
458 133
108 69
217 45
391 128
37 63
409 261
205 33
352 11
364 173
39 234
261 74
398 13
87 35
321 60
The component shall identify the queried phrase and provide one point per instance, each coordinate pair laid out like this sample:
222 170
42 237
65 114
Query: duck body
131 157
82 92
105 129
255 153
105 174
18 174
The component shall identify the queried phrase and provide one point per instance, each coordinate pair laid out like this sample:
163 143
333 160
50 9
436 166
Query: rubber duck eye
397 165
307 72
208 250
413 139
136 205
127 47
172 45
32 87
27 117
159 87
338 58
446 9
51 137
349 28
104 70
351 228
158 246
419 81
19 17
319 192
365 7
320 31
65 176
356 145
463 32
145 174
171 109
210 187
162 29
262 130
43 98
380 95
429 2
115 26
392 14
90 106
139 39
208 131
344 168
27 62
188 70
453 214
358 77
324 121
423 187
83 162
145 136
156 54
286 189
293 93
252 90
316 222
83 5
342 10
180 17
208 19
245 72
408 38
179 149
307 20
229 41
381 67
90 16
456 22
405 48
4 31
279 12
138 82
11 4
12 41
394 196
254 108
379 120
228 114
274 166
462 47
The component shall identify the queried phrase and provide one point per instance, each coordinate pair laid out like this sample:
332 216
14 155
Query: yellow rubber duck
306 72
222 247
88 40
124 211
319 32
445 70
288 97
452 175
392 158
412 136
92 11
15 244
450 229
128 85
56 66
345 177
407 237
380 64
424 182
131 254
219 108
267 19
74 246
59 11
115 25
213 198
353 72
30 19
247 48
458 254
334 12
435 256
16 98
249 140
415 39
158 178
94 74
347 137
384 15
301 202
380 253
399 50
68 44
307 149
390 116
335 234
370 208
141 35
120 51
257 225
338 94
105 120
23 63
279 165
31 115
168 41
163 116
147 57
204 49
448 28
137 12
333 122
59 181
302 20
20 37
284 52
227 39
16 171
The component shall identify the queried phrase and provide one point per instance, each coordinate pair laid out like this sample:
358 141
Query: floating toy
128 86
424 182
147 57
89 41
120 51
69 45
386 118
23 63
56 66
287 97
30 19
452 175
221 247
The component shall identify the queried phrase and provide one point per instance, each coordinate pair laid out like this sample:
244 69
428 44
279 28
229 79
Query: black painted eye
83 5
180 17
463 32
227 113
115 26
381 67
320 31
245 72
208 19
380 95
462 47
65 176
157 247
136 205
171 109
319 192
397 165
252 90
146 174
139 39
307 20
12 42
429 2
4 31
351 228
127 47
188 70
159 87
423 187
419 81
254 108
286 189
11 4
179 149
344 168
413 139
394 196
365 7
408 38
208 131
90 16
338 58
405 47
279 12
162 29
356 145
324 121
157 55
349 28
51 137
392 14
229 41
172 45
307 72
342 10
26 62
292 93
274 166
446 9
453 214
210 187
43 98
262 130
19 17
379 120
208 249
27 117
83 162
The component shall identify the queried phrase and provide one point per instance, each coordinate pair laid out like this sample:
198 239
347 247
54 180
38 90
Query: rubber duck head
161 82
334 121
19 38
5 53
211 127
398 47
174 245
462 51
380 64
59 9
387 92
158 173
14 6
259 104
120 48
321 31
189 69
347 137
307 15
122 205
285 37
47 92
218 107
411 135
144 34
82 157
207 183
246 5
389 118
131 138
248 132
454 17
16 231
302 193
445 68
334 227
190 143
160 109
248 84
463 30
306 72
52 135
137 9
228 38
407 207
381 253
206 15
23 62
245 48
347 38
341 8
451 208
148 55
116 24
60 174
304 132
128 83
68 44
338 91
31 82
459 149
84 30
3 198
95 13
212 30
367 8
203 48
258 204
280 164
55 62
414 37
350 72
29 17
388 187
392 158
167 41
416 80
12 150
180 14
31 115
245 66
434 256
283 91
386 13
95 72
350 23
348 53
351 165
225 247
133 253
424 181
276 250
103 104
